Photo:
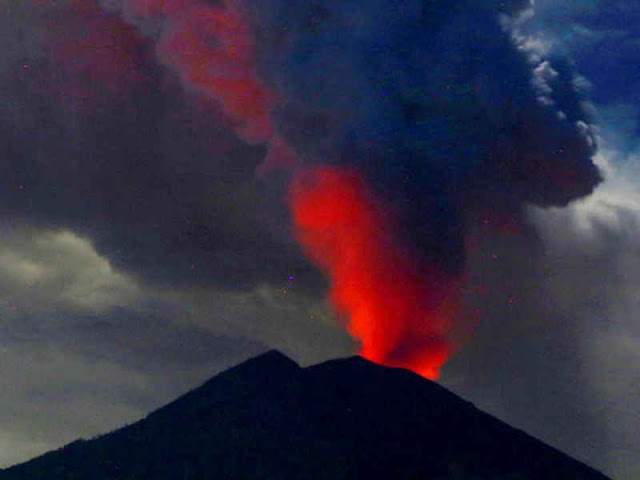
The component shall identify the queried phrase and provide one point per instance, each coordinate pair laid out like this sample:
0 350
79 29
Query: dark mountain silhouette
344 419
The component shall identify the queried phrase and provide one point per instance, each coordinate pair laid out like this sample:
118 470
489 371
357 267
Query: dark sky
140 253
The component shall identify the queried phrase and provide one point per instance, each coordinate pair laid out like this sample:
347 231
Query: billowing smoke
401 315
410 121
438 104
411 97
211 49
210 46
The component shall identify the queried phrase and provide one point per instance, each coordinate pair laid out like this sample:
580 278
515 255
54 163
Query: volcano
268 418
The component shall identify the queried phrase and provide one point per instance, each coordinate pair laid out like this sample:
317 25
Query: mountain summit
344 419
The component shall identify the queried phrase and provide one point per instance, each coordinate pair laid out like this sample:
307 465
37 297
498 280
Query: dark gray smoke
441 105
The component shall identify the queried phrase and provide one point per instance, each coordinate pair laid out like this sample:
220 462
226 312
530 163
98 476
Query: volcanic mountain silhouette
268 418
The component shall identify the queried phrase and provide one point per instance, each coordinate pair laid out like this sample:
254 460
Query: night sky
146 238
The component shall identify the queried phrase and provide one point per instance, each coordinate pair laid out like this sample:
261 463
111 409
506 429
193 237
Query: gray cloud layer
85 347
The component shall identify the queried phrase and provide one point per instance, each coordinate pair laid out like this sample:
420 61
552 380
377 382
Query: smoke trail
211 49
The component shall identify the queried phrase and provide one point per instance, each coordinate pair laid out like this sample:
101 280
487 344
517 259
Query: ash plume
427 115
438 104
449 116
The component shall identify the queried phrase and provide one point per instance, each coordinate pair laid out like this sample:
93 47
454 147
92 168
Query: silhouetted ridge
384 386
343 419
258 375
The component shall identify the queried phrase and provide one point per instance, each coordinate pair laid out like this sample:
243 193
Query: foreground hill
344 419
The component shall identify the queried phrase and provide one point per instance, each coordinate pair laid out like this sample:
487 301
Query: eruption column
399 315
398 312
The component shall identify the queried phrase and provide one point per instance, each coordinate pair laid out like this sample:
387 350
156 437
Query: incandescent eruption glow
399 315
437 134
399 311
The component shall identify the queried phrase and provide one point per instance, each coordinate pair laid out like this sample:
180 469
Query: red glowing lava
400 316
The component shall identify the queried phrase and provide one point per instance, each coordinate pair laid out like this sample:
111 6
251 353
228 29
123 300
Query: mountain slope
344 419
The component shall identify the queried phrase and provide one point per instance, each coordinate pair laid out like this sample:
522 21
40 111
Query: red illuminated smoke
211 49
400 316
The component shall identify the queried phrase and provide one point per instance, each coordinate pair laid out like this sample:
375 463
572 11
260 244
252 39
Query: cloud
286 318
557 332
600 253
602 38
440 107
56 287
149 173
78 336
580 303
20 445
159 175
50 397
42 269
